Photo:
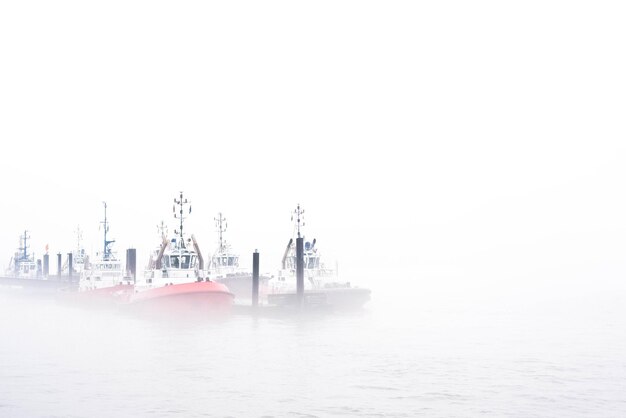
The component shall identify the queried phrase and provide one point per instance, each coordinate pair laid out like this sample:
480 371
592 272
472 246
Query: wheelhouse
184 260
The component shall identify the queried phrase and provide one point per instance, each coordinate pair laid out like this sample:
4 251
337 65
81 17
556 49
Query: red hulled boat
175 280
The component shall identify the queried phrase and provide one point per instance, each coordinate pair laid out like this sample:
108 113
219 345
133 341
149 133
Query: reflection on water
440 353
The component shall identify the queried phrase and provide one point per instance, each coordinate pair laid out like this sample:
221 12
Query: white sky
434 139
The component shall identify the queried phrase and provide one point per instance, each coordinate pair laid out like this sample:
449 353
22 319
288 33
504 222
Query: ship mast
24 248
299 218
221 224
180 216
162 230
79 238
107 251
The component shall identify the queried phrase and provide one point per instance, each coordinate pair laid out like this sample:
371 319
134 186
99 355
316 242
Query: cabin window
174 261
184 261
313 263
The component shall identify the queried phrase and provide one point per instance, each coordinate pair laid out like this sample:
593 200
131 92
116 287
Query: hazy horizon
464 160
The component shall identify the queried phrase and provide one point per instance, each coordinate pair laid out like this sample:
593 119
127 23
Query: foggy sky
475 141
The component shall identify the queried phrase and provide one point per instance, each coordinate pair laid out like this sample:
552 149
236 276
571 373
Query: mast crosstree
24 246
221 224
299 212
180 215
106 255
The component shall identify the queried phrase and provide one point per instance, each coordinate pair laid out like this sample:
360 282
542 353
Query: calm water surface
442 354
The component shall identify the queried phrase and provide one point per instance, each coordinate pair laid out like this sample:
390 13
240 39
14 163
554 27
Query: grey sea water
447 352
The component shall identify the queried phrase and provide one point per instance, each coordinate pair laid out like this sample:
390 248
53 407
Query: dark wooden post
46 265
131 263
70 265
300 270
255 278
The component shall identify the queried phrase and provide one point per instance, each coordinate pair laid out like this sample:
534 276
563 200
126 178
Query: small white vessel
224 267
106 270
22 264
224 262
322 284
80 259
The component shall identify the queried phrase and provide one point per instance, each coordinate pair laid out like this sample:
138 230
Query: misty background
465 161
470 141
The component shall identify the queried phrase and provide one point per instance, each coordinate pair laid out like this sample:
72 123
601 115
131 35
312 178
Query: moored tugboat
175 280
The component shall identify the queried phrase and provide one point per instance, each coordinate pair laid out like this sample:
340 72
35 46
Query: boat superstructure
157 251
224 267
22 264
175 277
178 260
30 274
316 274
80 259
224 261
321 283
106 270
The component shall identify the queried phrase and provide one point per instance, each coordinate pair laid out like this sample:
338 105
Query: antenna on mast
221 224
24 245
181 203
107 250
162 229
79 238
299 218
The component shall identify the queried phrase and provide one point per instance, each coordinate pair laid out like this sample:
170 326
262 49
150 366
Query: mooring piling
131 263
255 278
46 265
300 270
70 266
